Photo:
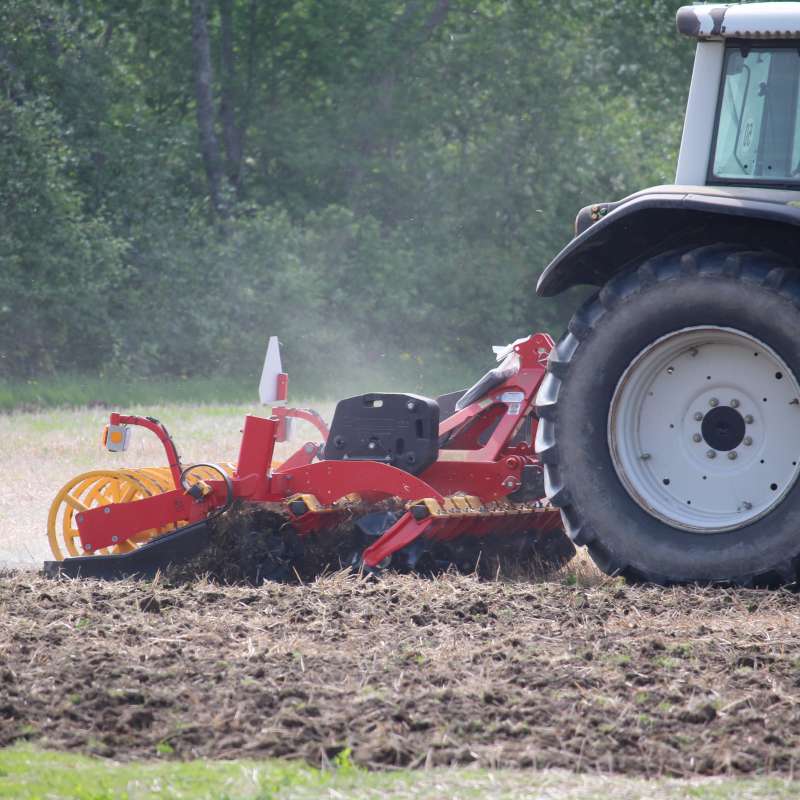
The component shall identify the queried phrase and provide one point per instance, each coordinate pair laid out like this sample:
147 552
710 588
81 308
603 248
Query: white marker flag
268 387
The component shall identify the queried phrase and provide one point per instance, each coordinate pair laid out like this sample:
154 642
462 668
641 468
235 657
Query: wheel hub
723 428
704 429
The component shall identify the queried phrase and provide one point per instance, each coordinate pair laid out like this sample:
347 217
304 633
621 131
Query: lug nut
748 440
734 403
713 402
711 453
698 415
732 455
697 437
749 419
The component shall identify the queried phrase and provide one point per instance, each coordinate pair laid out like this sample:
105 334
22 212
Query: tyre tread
718 260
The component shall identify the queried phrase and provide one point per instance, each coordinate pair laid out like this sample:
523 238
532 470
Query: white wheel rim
673 421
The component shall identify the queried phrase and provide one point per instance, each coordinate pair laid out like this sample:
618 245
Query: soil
406 671
251 544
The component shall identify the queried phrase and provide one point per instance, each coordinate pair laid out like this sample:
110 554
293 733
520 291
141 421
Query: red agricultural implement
397 485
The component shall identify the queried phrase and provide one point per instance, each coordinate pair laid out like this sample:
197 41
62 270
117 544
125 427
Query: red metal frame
173 459
282 388
483 456
308 414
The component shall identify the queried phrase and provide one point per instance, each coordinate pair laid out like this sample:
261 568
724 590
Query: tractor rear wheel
670 420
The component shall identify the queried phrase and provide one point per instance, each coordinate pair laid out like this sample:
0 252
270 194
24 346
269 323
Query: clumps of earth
252 544
406 671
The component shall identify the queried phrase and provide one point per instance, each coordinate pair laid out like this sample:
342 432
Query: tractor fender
612 236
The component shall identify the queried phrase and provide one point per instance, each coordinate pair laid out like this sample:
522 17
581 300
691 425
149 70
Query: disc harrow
390 485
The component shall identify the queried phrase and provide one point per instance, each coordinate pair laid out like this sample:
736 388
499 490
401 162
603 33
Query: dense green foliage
376 179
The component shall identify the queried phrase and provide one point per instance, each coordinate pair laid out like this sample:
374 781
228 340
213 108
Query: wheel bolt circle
711 453
748 440
734 403
698 415
697 437
713 402
732 455
749 419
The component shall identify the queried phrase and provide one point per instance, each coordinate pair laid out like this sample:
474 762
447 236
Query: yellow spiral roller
104 487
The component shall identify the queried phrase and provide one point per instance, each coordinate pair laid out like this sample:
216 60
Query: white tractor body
742 127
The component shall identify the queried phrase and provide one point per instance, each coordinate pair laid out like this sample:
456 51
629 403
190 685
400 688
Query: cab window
756 138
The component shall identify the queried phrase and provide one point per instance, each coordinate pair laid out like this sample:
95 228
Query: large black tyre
756 293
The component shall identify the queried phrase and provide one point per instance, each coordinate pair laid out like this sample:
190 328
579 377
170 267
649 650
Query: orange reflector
115 438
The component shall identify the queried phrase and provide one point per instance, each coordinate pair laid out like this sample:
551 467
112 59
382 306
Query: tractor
669 417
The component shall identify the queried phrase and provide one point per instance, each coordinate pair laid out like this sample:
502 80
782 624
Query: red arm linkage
173 459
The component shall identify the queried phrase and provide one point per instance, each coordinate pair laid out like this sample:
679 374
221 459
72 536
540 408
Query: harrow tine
405 531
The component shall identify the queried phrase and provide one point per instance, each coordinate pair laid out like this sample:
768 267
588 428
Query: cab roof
748 21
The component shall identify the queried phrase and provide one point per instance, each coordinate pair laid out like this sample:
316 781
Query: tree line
369 179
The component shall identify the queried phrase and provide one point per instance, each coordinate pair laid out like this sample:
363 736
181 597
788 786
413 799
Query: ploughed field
407 671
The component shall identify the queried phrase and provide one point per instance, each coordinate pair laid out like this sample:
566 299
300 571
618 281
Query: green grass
76 391
30 774
428 376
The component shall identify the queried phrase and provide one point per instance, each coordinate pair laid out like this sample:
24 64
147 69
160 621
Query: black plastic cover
447 403
398 429
664 218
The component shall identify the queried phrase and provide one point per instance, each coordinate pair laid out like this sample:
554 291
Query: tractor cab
742 127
